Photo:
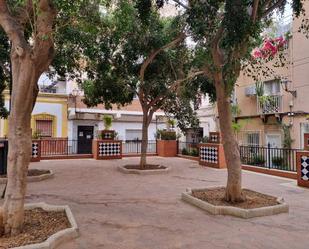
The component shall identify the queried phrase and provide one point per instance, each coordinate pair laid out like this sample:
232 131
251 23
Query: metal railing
58 147
135 147
267 157
188 149
269 104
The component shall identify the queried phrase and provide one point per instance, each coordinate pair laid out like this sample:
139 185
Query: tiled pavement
118 211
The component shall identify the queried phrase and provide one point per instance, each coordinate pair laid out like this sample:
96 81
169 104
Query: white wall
120 127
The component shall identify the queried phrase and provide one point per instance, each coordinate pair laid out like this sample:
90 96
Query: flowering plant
269 48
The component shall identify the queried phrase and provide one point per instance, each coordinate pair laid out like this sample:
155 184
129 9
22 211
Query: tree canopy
76 30
145 55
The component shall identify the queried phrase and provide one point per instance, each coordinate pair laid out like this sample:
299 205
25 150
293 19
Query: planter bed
150 169
34 175
255 205
46 227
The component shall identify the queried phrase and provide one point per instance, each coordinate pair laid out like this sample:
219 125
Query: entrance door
273 141
85 136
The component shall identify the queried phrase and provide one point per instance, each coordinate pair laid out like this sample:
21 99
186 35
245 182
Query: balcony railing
269 104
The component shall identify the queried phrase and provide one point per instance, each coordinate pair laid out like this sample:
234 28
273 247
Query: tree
143 55
37 30
227 31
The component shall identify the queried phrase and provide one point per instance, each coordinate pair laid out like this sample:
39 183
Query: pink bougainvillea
269 48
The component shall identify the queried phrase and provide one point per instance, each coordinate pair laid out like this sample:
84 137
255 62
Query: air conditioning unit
250 91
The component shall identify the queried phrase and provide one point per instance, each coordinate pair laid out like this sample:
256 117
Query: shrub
257 160
205 139
36 134
194 152
168 135
184 151
108 120
280 163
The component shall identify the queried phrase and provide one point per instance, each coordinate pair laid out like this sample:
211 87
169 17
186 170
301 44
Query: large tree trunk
25 78
144 147
231 148
28 63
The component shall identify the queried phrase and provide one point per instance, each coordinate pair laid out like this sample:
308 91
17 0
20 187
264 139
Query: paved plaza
120 211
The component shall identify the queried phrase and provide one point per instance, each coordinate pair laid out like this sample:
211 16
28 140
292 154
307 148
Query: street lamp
285 85
75 93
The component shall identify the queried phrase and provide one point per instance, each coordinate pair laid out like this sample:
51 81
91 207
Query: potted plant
107 133
108 121
167 143
171 123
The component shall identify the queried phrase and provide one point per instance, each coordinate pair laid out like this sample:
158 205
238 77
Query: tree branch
174 87
13 30
181 4
25 13
216 52
152 56
255 10
43 41
272 7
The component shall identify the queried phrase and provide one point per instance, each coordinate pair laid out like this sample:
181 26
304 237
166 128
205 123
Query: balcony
271 104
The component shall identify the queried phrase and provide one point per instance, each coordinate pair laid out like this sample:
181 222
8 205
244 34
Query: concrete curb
234 211
33 178
58 238
143 172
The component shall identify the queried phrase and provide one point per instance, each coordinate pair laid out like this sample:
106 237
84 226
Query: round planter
33 178
282 207
143 172
58 238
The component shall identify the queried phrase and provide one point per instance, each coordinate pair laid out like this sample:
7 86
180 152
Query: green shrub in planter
257 160
184 152
168 135
194 152
108 121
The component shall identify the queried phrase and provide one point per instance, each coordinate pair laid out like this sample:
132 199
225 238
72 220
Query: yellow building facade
49 116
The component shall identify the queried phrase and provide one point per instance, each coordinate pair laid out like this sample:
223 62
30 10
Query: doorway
274 140
274 145
84 139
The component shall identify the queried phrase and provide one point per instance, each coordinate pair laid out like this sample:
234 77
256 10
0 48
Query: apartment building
284 108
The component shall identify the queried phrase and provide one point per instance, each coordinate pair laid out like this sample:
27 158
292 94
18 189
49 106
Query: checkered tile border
107 135
35 149
109 149
305 168
209 154
214 138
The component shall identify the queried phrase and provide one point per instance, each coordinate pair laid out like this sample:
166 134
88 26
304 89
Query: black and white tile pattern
109 149
209 154
305 168
214 138
107 136
35 149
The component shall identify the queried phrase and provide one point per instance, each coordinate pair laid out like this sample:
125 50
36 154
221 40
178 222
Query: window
272 87
253 139
44 128
133 134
